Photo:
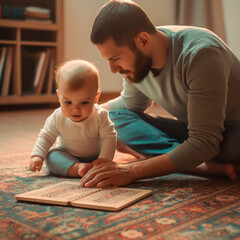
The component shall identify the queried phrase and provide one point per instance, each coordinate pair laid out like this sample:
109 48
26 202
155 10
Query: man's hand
106 173
36 163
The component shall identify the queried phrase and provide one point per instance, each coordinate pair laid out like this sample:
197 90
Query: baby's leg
62 163
58 161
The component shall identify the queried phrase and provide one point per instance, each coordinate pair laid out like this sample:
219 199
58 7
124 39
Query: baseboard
106 96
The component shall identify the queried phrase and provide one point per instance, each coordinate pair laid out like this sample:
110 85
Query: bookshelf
32 49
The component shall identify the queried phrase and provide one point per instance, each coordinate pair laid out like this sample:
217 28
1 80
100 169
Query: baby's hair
76 73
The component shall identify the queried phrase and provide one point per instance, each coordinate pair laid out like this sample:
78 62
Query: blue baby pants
58 161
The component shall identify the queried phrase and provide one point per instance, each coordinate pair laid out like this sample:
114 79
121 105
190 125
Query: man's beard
141 67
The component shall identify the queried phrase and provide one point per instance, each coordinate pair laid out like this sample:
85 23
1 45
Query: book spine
42 77
87 194
3 57
51 72
7 72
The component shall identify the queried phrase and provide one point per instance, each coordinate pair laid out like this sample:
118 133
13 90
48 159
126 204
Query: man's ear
97 97
143 41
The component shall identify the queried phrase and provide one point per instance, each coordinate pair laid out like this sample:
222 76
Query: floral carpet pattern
181 207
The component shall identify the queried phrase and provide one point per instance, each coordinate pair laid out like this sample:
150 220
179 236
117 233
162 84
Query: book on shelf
7 71
3 55
68 193
9 12
35 69
34 9
30 61
37 12
20 13
41 71
0 11
39 67
51 72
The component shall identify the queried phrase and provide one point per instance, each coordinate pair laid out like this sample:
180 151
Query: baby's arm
46 138
108 142
36 163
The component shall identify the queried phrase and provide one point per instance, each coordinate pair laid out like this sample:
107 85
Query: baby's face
78 104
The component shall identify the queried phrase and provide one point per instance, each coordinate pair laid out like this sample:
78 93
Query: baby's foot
83 168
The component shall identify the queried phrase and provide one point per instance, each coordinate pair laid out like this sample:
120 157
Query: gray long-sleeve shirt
200 85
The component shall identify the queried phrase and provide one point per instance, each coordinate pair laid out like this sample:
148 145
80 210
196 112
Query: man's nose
114 67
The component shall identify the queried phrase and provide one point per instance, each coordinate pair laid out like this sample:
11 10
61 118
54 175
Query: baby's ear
97 97
58 95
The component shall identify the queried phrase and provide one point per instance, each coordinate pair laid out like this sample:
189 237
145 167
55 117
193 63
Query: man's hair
120 20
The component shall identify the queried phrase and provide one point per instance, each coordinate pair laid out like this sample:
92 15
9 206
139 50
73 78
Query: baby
82 128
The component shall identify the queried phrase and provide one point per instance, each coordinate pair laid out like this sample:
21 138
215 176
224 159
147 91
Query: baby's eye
68 102
84 102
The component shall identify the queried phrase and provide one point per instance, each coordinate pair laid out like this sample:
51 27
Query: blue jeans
157 135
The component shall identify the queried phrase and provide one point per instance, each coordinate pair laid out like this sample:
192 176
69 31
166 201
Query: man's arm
105 173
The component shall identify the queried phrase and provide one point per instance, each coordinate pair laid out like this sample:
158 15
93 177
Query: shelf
8 42
47 44
28 43
17 100
29 52
29 25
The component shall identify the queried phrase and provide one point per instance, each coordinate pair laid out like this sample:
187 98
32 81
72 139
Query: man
188 71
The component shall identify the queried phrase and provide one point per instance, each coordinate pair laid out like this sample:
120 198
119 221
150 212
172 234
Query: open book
69 193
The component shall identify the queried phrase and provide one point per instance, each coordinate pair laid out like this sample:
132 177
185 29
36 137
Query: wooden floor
19 129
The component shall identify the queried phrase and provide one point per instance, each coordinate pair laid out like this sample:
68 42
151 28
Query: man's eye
68 102
115 59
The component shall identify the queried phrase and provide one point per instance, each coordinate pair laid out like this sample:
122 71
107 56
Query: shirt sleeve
207 81
131 98
46 137
107 135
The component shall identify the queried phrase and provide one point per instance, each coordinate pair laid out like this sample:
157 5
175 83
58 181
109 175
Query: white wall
232 20
78 19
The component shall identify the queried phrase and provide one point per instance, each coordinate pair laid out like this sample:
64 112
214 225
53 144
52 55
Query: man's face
133 64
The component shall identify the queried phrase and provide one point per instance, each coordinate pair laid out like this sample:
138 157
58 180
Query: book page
61 192
112 199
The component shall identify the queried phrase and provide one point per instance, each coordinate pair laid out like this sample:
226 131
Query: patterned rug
181 207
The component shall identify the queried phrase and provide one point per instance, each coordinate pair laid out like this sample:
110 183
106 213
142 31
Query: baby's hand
36 163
